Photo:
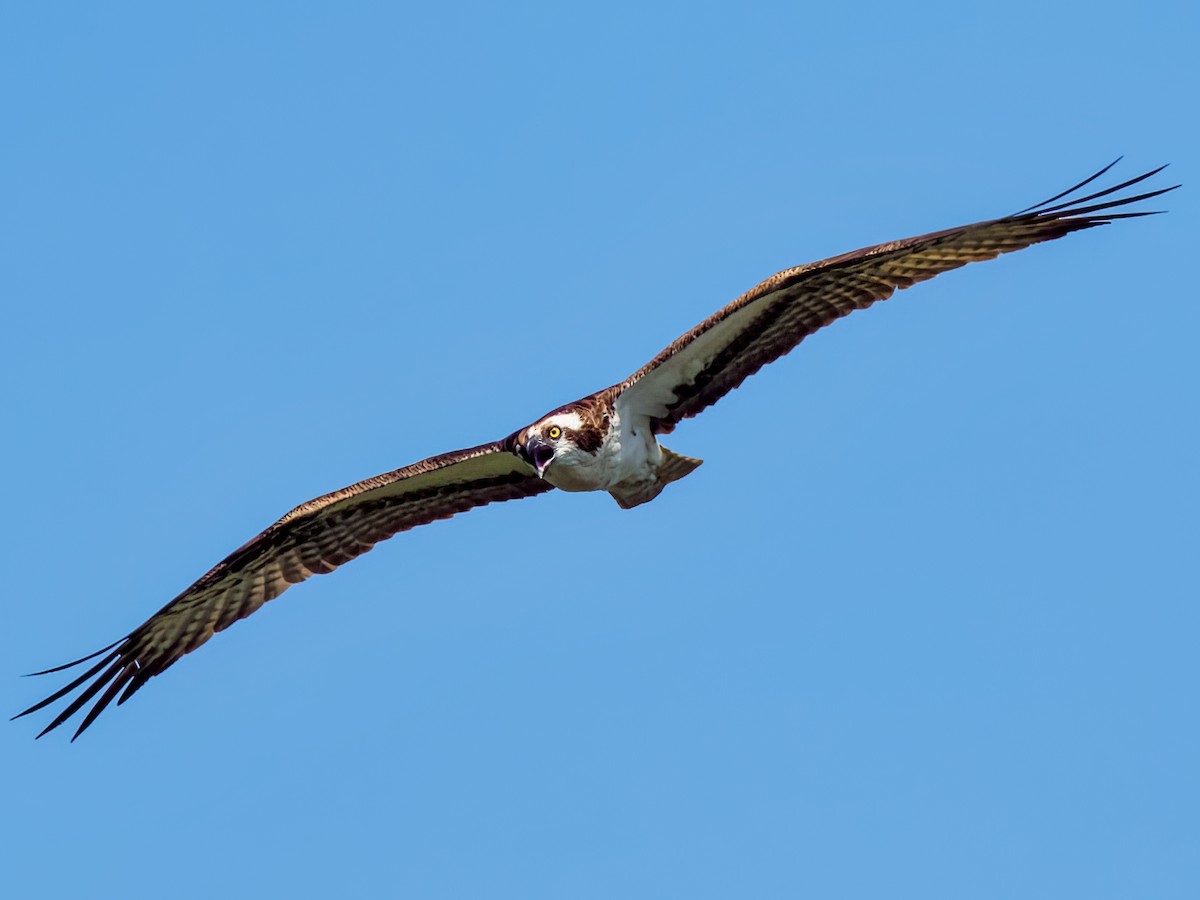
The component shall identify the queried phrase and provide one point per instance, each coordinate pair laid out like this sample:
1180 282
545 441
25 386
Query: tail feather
672 468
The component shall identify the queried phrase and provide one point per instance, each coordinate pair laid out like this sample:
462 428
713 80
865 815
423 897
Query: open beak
540 455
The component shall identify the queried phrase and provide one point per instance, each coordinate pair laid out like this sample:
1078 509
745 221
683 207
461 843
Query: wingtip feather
1071 189
74 662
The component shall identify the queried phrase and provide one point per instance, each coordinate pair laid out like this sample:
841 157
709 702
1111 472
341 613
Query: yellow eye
554 433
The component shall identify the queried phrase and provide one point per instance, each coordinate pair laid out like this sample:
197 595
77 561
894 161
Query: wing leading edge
313 539
772 318
688 376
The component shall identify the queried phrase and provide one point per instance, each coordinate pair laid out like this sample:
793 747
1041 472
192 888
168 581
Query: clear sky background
924 625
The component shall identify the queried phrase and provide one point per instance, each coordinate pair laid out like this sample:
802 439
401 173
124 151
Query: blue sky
924 625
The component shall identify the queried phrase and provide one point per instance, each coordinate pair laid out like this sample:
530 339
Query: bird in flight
607 441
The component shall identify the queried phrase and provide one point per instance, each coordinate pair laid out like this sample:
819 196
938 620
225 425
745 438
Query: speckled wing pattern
693 373
312 539
769 320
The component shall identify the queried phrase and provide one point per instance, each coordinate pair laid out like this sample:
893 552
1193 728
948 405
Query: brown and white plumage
313 539
771 318
605 441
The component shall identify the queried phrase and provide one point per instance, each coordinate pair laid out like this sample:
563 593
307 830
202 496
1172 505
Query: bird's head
554 438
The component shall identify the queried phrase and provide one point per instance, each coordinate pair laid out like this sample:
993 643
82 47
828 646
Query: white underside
627 460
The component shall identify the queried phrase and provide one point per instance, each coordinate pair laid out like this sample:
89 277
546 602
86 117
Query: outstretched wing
769 320
312 539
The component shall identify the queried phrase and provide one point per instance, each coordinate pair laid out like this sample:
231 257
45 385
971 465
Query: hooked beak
540 454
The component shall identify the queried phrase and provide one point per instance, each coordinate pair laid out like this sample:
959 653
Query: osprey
607 441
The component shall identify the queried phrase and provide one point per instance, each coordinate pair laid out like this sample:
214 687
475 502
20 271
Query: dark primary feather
312 539
769 320
685 378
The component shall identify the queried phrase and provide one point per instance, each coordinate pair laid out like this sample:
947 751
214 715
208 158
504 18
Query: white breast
623 457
